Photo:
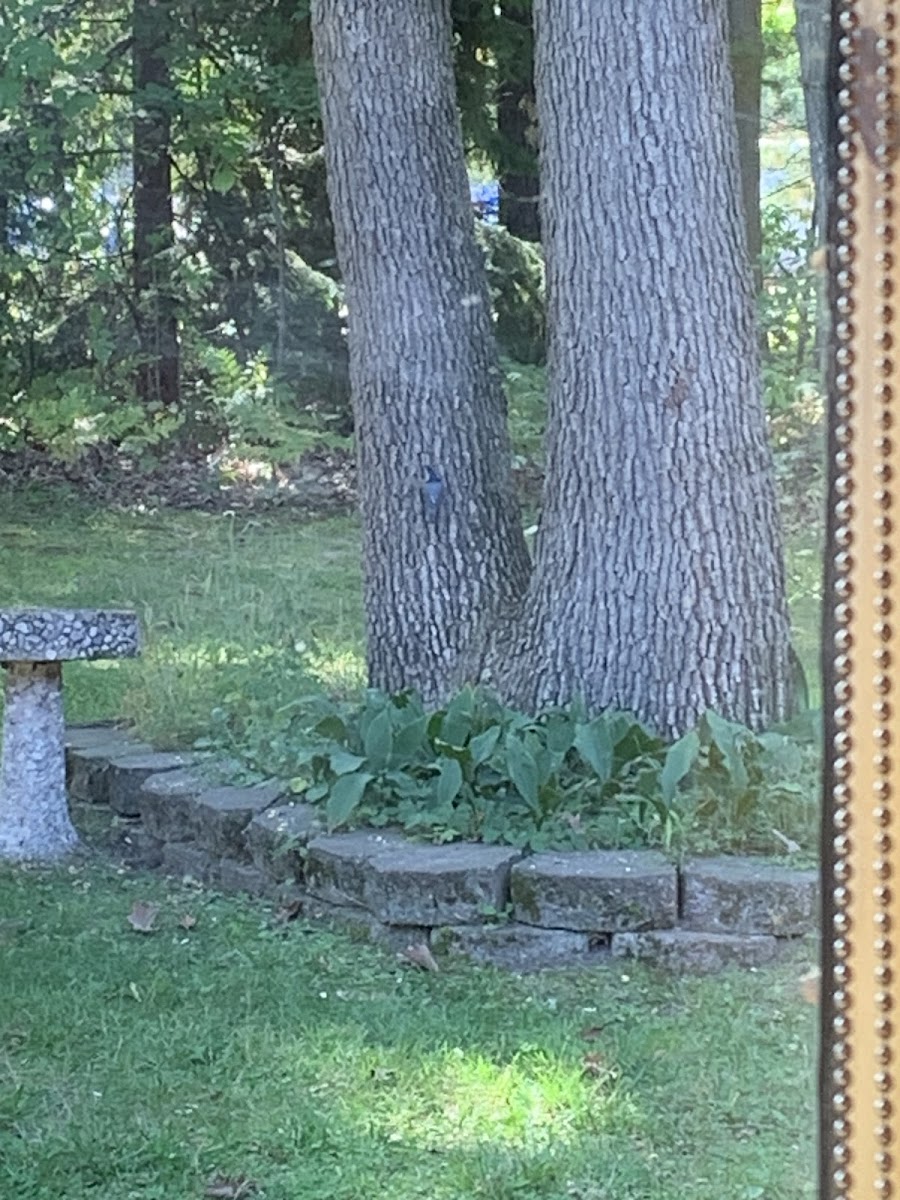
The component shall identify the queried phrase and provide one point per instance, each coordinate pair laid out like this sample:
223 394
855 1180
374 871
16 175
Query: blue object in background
432 489
485 199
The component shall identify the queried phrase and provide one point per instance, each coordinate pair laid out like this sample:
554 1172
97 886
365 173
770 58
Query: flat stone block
335 863
138 848
81 737
694 952
87 767
597 891
234 877
438 885
275 839
360 923
167 804
223 813
513 947
187 861
744 895
126 775
60 634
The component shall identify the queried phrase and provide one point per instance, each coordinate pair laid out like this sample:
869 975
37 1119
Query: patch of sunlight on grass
339 670
319 1066
468 1100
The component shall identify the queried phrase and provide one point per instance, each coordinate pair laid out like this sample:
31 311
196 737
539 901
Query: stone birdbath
34 643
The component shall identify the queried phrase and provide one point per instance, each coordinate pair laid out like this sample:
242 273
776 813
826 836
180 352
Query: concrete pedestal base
34 811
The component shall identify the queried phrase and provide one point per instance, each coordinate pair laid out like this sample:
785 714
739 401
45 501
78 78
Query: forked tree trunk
423 372
659 582
154 236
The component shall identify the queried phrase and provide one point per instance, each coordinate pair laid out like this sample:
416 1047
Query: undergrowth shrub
476 769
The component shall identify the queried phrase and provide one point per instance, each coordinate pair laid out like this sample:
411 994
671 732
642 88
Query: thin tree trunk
426 389
658 584
746 52
154 237
517 126
813 31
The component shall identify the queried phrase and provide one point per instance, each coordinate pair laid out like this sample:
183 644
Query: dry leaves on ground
811 986
230 1187
142 917
420 956
288 912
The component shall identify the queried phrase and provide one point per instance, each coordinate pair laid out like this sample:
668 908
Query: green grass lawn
141 1066
230 606
235 609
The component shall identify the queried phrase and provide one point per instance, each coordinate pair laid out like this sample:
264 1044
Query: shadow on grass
141 1065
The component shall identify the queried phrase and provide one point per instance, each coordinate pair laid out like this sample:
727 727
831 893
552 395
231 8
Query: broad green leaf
449 781
523 772
443 749
680 757
560 733
223 179
595 746
634 742
379 741
331 727
342 762
345 796
408 739
317 792
457 723
729 738
483 745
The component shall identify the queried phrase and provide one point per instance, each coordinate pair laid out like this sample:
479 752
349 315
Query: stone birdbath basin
34 643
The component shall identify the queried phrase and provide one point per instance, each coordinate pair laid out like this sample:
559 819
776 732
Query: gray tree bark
658 584
746 52
158 382
813 31
427 391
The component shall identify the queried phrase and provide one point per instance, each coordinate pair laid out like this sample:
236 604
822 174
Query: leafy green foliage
787 317
476 769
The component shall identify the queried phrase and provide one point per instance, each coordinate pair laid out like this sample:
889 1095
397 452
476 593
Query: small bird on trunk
433 490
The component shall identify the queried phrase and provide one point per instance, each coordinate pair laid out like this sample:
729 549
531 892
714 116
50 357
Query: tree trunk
658 584
517 126
813 32
426 389
154 237
746 52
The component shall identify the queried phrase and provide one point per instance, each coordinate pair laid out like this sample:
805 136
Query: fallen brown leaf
420 956
230 1187
289 912
187 921
594 1064
142 917
811 986
591 1032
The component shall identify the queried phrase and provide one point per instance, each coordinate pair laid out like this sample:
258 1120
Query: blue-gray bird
432 489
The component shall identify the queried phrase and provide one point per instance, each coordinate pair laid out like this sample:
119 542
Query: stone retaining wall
490 903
